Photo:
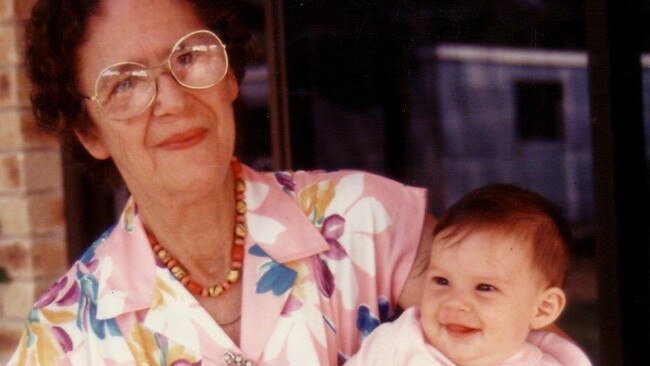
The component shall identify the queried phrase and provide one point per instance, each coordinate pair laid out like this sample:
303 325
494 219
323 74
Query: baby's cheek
429 300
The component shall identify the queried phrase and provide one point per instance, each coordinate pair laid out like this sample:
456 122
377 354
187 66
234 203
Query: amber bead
194 287
240 229
237 253
233 275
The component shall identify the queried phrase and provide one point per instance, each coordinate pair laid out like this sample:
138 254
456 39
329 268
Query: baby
495 277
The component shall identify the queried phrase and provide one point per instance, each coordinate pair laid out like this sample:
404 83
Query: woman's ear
233 86
93 144
549 307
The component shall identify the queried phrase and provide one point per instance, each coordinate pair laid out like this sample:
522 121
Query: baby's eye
440 281
483 287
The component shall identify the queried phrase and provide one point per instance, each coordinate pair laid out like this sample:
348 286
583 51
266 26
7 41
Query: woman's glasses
126 89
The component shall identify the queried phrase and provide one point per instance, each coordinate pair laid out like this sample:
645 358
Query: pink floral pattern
325 252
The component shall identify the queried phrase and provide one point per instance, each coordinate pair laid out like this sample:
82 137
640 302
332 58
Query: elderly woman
211 263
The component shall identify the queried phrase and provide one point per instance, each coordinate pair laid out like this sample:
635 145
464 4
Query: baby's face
480 296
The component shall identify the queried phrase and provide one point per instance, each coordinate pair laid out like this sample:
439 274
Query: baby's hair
510 210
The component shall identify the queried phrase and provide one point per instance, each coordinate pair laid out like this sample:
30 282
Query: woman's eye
483 287
124 85
440 281
185 58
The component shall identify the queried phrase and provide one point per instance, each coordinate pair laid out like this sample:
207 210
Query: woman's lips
183 140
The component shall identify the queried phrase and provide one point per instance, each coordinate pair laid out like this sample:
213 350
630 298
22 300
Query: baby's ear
549 307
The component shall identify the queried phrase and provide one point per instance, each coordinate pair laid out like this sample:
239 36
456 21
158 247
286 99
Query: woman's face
183 143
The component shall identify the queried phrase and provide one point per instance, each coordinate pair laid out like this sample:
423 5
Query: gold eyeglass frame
95 98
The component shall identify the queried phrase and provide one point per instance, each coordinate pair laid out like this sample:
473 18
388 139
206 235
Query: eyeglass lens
126 89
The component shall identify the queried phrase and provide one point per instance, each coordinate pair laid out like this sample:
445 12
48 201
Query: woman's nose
170 98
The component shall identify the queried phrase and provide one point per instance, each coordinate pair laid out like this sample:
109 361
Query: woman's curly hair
54 33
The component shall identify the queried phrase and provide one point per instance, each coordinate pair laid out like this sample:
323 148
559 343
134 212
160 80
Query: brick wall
32 227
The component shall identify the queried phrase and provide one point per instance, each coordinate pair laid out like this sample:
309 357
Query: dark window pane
539 110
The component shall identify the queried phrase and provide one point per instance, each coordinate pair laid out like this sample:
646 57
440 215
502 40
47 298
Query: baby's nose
458 302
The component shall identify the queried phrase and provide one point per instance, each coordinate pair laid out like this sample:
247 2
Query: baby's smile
459 330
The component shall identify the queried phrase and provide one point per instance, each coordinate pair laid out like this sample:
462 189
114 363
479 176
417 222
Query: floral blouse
326 257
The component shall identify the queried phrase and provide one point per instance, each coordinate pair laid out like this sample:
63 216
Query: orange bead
194 287
235 166
236 265
152 239
237 253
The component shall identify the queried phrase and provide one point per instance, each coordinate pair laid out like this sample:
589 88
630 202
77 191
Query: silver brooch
235 360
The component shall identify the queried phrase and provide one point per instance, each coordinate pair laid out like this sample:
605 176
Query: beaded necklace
236 252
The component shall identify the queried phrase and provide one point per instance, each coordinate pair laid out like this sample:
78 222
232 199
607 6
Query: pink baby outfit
326 257
403 343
